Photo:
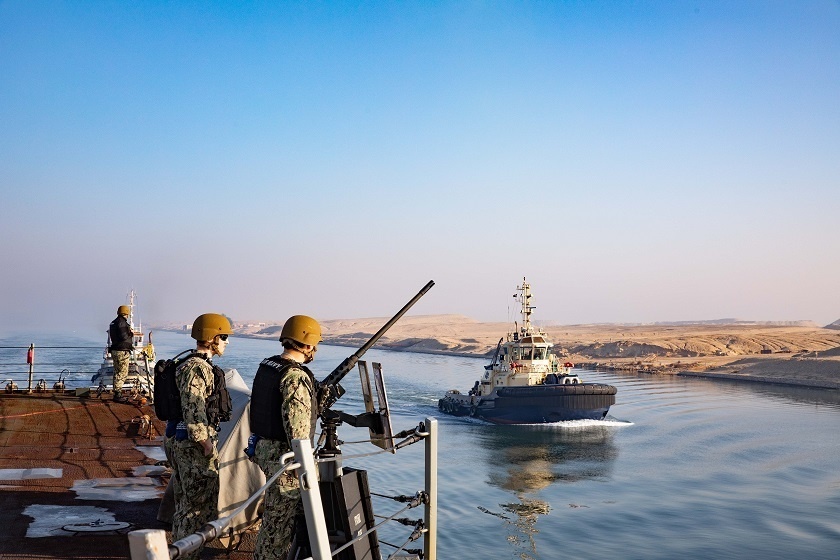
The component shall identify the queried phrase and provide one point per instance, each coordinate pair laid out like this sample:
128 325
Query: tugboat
527 384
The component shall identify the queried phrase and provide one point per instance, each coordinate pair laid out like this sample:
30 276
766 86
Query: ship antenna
131 296
527 308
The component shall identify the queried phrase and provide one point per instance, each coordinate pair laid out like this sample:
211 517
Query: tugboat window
539 353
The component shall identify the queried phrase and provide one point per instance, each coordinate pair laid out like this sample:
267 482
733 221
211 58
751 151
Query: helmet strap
208 347
308 354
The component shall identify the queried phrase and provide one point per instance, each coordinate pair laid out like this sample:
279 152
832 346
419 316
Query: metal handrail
7 375
150 544
52 347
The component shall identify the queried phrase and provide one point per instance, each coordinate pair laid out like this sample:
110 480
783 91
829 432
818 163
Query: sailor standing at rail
283 408
122 344
191 443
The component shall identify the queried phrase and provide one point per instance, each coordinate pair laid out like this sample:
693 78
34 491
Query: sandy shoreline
784 354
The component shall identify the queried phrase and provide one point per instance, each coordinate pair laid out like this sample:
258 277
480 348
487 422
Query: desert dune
784 353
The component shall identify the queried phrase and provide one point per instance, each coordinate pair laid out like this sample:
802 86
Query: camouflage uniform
121 359
282 499
195 478
122 343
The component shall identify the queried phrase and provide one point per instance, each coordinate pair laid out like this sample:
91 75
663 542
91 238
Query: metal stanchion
430 537
30 359
310 494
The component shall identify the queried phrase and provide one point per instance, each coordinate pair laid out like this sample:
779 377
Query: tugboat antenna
527 308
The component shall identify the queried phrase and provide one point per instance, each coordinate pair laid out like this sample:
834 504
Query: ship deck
77 474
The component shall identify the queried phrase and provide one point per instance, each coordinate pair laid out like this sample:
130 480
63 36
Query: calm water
682 468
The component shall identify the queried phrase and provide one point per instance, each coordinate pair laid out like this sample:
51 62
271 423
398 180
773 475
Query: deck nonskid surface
67 462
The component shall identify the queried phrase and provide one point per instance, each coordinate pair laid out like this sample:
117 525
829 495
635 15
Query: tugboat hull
536 404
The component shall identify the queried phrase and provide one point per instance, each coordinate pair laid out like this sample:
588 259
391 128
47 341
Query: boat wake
583 424
558 426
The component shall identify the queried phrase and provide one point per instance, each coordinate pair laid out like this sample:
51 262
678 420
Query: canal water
681 468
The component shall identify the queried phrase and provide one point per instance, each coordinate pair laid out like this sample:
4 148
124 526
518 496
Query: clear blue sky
636 161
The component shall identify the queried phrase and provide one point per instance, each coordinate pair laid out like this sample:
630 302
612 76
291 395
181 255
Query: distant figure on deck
191 443
283 408
122 344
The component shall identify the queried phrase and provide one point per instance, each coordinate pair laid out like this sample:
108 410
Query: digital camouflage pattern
195 481
282 503
282 499
194 379
195 478
121 359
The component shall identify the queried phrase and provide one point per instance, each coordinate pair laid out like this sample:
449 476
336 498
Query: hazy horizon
637 162
238 321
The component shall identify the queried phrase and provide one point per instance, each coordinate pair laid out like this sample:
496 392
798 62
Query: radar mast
524 298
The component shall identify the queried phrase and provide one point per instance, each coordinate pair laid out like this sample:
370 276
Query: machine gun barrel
330 389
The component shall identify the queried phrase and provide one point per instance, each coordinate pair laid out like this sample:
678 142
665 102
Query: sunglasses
223 337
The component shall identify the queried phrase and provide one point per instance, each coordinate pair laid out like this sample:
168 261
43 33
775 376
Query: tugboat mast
131 295
138 328
524 298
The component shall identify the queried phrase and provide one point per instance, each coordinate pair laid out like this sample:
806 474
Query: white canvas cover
239 478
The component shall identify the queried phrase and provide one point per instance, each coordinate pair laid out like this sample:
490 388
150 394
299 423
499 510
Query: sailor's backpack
167 397
219 404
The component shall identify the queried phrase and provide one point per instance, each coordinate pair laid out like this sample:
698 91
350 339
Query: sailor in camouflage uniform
192 448
283 408
122 344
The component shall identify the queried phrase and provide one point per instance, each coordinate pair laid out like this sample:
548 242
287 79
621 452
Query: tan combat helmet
302 329
207 326
123 310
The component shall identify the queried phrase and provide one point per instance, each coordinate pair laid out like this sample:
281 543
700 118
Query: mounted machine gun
345 494
330 390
